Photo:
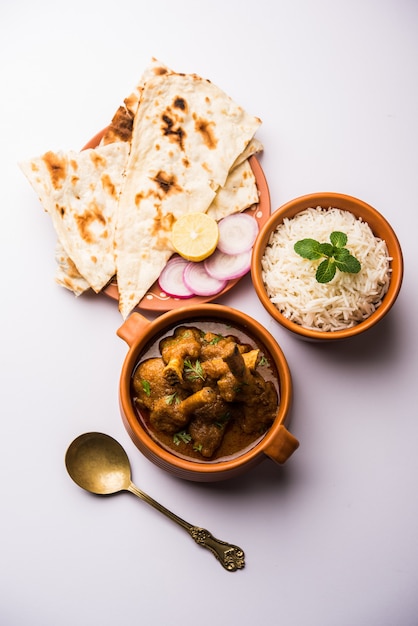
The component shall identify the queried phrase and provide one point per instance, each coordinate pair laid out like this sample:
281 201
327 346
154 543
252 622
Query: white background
331 538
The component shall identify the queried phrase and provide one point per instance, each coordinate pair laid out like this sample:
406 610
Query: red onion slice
197 279
171 279
227 266
237 233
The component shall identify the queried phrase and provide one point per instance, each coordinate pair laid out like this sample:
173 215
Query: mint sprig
335 254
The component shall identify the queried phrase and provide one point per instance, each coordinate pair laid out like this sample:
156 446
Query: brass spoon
99 464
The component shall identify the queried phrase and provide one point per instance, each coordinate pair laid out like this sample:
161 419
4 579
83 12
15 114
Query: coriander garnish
335 254
172 398
146 387
223 420
181 436
193 371
215 340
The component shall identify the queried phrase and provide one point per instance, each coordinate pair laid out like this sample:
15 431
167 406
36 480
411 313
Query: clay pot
277 444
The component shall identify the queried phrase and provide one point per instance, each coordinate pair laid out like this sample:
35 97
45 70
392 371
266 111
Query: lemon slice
195 236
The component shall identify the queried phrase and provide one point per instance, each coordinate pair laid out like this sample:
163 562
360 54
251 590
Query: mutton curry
206 391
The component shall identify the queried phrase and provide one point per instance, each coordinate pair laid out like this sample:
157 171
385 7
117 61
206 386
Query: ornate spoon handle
230 556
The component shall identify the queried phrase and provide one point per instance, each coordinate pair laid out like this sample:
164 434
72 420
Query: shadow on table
380 343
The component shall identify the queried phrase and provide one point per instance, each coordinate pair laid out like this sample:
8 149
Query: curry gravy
234 441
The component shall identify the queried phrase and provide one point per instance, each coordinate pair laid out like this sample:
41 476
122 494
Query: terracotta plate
157 300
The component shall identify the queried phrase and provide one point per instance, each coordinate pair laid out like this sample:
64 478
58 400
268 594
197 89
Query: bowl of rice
327 266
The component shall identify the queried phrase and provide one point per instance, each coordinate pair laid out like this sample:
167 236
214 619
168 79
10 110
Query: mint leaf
326 271
341 254
338 239
326 249
351 265
308 249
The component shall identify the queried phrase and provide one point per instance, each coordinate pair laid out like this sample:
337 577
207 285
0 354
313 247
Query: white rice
348 298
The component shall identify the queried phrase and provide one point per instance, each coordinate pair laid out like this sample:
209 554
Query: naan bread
239 193
253 147
184 145
66 274
240 189
80 191
120 128
187 134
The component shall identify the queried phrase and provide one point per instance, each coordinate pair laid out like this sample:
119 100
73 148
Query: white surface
332 537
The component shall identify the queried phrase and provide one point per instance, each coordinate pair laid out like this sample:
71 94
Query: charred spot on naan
172 128
180 103
167 183
91 219
97 159
109 186
205 129
120 128
57 168
160 70
138 198
161 229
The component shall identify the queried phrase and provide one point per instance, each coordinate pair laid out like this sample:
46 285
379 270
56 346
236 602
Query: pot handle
133 326
283 445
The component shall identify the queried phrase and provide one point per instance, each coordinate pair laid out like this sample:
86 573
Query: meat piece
184 343
235 361
260 406
207 427
214 346
258 397
217 367
236 376
215 410
169 415
149 383
207 436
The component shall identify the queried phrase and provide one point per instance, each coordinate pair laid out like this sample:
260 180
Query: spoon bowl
98 463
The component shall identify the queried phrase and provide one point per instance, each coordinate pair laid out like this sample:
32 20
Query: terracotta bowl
380 227
277 444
